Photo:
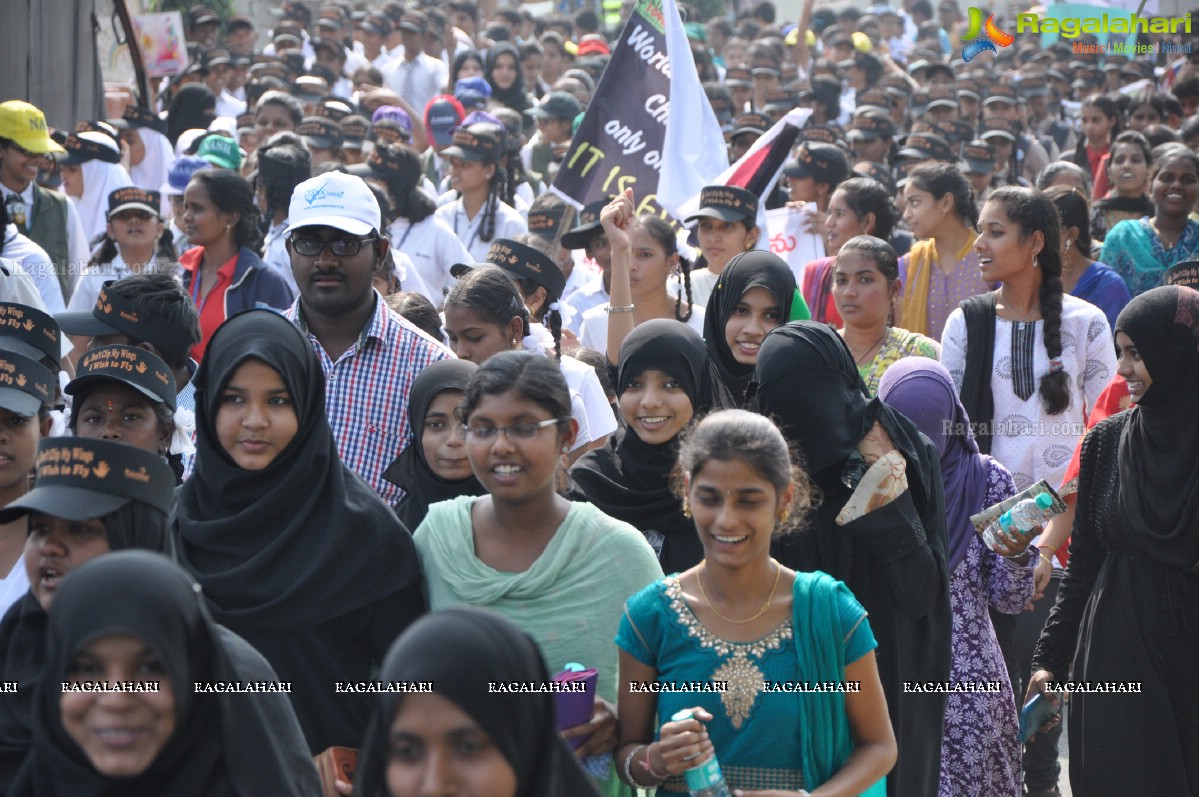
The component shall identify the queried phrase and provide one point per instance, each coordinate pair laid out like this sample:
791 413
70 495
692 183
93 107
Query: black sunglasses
342 247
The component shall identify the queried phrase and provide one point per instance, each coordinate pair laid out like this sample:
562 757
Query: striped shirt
366 391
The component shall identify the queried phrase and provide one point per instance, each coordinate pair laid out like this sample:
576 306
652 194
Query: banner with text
648 124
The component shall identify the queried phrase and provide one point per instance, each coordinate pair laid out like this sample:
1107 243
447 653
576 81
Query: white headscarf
99 180
156 165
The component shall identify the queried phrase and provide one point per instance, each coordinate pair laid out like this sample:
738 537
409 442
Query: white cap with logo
337 200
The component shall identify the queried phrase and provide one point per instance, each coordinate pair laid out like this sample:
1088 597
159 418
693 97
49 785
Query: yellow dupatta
923 259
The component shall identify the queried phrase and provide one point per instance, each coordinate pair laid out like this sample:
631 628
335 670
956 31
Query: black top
301 558
893 559
222 744
460 650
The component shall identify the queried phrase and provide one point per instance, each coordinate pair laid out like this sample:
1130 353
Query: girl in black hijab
197 743
1127 606
423 483
661 361
297 554
63 513
506 56
888 547
192 108
733 348
459 651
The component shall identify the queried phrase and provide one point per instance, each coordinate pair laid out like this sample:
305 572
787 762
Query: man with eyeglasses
45 216
369 355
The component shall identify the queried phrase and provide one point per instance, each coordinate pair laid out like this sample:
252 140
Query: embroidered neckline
709 641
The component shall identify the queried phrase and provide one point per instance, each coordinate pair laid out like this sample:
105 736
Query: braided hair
660 230
492 295
1033 211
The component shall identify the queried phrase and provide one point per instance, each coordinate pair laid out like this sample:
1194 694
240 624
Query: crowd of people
326 426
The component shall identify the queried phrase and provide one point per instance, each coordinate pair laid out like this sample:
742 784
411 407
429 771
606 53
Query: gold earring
686 510
783 518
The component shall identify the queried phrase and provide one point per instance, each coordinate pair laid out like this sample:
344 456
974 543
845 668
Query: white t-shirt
595 326
590 295
508 224
703 282
433 248
14 585
37 264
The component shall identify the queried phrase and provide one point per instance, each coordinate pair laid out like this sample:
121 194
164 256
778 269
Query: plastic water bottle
1024 516
706 779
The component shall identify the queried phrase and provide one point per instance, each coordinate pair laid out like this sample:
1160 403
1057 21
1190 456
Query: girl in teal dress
740 636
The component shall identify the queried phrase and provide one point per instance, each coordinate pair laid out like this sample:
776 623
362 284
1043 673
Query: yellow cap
26 125
861 42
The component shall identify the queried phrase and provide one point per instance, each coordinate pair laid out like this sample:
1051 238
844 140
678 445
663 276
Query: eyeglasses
517 431
24 151
342 247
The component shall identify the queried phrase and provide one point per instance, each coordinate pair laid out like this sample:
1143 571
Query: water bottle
1026 515
706 779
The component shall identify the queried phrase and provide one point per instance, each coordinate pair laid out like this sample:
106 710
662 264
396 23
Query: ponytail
684 277
554 317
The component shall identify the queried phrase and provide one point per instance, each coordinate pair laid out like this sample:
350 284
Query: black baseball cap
1001 92
89 146
546 222
476 142
142 370
557 105
320 132
390 162
738 77
137 116
728 203
997 126
978 157
79 478
113 314
132 197
941 96
30 333
520 260
588 224
826 163
25 384
926 146
877 172
1185 273
751 123
870 125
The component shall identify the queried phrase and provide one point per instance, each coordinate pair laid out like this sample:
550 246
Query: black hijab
515 96
628 478
223 744
753 269
23 634
1159 480
302 541
460 650
422 487
807 382
192 108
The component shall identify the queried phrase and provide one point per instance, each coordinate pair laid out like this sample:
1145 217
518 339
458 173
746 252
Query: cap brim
798 172
84 324
715 213
318 142
80 382
19 401
460 270
995 99
911 152
578 237
977 167
862 135
131 206
941 104
352 226
985 135
462 154
753 130
21 347
59 500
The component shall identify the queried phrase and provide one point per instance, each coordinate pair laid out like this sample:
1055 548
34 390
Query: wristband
625 309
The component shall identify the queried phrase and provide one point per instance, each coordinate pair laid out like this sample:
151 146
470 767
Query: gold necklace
778 572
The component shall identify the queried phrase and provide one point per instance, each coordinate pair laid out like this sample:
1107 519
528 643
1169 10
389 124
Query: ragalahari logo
986 37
